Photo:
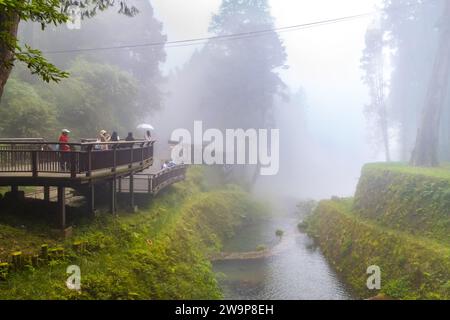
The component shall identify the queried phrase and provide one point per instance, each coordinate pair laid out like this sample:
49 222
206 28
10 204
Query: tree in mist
11 12
411 31
245 75
24 113
426 149
96 96
373 66
231 83
108 29
413 42
45 12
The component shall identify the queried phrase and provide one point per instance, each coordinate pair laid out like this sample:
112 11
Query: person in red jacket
64 137
63 147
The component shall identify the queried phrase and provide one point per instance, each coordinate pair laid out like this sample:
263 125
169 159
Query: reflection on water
298 271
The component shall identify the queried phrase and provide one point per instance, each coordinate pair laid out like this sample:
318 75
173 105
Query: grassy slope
442 172
406 198
411 267
159 253
399 221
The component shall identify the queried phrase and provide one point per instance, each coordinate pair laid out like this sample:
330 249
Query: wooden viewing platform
35 162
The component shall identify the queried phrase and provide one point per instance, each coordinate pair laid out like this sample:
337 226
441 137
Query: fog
280 104
313 84
324 140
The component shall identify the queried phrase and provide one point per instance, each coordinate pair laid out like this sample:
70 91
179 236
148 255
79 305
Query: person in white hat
64 147
104 137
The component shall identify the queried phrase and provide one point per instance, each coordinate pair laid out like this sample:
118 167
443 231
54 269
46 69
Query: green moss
406 198
158 253
261 247
412 267
441 172
16 239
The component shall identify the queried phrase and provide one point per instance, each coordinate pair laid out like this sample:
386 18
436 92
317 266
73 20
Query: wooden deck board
49 178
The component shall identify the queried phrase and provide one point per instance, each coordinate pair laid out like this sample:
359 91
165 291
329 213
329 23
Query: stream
297 271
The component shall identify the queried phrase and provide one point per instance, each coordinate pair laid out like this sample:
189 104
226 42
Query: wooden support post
14 189
91 200
89 161
62 207
46 193
112 202
132 192
44 252
17 260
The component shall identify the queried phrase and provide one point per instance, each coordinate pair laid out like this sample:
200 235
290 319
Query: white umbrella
145 126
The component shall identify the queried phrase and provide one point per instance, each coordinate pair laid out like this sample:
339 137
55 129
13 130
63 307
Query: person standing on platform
64 148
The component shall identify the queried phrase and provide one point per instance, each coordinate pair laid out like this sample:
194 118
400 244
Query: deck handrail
155 182
12 140
24 141
32 157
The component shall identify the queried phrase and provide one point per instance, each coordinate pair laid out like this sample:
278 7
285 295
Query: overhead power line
202 40
234 36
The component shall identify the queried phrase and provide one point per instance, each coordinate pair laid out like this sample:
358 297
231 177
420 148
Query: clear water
298 271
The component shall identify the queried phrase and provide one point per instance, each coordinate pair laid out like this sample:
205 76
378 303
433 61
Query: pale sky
184 20
319 58
324 61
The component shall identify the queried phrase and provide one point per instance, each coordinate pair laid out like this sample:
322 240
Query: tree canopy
96 96
44 12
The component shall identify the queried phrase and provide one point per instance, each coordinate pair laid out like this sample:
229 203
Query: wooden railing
38 157
166 177
154 182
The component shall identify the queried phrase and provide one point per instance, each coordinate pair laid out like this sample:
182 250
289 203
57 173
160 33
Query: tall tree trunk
385 130
427 142
380 101
9 24
383 115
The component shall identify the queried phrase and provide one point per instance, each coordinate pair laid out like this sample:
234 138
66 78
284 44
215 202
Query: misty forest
354 98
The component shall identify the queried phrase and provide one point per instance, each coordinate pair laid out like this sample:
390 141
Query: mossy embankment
160 252
398 221
406 198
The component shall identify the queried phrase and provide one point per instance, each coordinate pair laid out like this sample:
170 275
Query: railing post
73 164
132 192
112 202
34 163
13 156
142 153
131 156
150 182
150 151
114 158
89 161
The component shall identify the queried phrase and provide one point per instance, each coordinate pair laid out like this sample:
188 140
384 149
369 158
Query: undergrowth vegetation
406 198
399 221
160 252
